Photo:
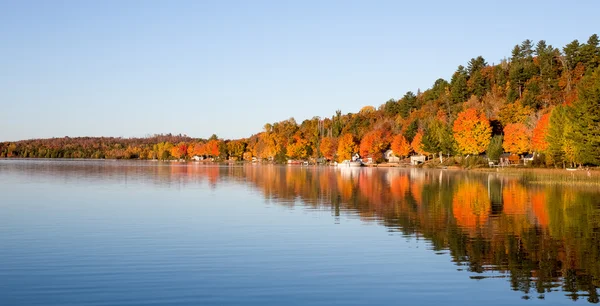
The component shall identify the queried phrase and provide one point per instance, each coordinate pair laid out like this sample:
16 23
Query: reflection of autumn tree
542 239
539 238
471 205
538 205
399 185
515 198
416 189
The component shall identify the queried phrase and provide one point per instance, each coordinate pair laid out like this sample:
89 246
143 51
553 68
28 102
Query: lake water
144 233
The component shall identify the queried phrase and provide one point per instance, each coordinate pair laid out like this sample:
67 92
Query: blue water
142 233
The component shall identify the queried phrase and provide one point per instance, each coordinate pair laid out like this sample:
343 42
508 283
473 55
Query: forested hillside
543 99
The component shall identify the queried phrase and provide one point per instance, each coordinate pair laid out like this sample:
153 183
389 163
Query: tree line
542 100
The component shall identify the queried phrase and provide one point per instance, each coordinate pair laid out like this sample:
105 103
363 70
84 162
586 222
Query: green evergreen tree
572 52
585 118
391 108
590 54
459 91
411 130
522 67
407 104
494 149
475 64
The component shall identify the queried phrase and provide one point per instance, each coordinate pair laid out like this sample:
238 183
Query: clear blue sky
132 68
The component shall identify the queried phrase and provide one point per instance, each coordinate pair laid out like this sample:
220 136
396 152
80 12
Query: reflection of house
417 159
391 157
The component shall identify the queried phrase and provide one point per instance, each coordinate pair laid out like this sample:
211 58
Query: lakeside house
197 158
390 157
355 157
417 159
528 158
508 159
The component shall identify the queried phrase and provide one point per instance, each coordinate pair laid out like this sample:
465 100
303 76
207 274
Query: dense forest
542 100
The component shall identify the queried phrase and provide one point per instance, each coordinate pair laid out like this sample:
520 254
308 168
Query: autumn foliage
346 147
400 146
417 144
472 131
212 148
540 133
456 116
471 205
515 198
516 138
328 147
374 143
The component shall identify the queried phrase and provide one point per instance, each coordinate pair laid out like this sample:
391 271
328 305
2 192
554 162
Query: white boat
348 163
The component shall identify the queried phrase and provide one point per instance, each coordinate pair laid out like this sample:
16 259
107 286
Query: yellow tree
472 131
346 147
298 149
514 113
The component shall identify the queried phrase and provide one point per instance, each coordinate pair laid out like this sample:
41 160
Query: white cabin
391 157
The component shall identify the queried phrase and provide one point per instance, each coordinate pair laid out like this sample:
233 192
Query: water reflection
541 238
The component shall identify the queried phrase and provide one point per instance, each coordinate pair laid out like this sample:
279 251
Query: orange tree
538 140
471 205
417 144
472 131
328 147
212 148
400 146
373 144
516 138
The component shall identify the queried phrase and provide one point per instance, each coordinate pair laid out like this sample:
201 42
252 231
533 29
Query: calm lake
148 233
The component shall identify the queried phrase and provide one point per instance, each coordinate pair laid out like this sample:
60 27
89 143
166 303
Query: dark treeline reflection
541 238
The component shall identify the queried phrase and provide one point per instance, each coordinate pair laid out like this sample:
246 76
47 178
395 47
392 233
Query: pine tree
407 104
459 91
585 117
